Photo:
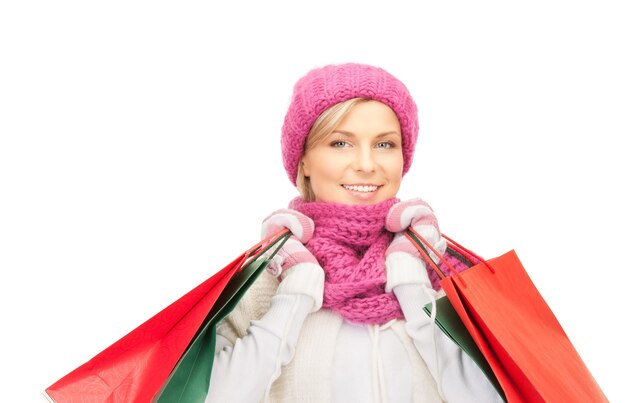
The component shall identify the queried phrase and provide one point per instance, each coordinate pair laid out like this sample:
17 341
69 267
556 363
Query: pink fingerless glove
403 261
293 264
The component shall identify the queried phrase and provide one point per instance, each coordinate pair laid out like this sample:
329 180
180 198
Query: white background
140 150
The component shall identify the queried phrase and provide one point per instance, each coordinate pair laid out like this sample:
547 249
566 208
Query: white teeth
361 188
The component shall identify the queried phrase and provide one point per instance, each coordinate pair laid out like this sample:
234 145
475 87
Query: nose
364 160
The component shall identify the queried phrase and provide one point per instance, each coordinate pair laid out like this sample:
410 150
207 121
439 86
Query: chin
374 200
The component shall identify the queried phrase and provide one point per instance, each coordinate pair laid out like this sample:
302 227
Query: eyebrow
350 134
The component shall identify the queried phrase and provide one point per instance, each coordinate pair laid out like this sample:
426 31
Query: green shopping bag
450 323
189 381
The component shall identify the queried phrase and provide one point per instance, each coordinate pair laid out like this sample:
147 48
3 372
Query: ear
305 167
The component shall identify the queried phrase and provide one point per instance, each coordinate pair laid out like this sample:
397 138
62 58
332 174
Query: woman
338 316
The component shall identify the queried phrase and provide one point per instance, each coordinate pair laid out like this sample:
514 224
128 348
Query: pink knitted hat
324 87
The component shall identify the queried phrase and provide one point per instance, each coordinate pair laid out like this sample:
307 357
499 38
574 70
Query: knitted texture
324 87
349 241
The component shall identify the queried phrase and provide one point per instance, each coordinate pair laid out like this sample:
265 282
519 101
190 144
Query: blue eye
338 144
386 144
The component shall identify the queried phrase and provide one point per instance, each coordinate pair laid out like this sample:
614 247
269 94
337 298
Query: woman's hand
293 264
293 252
417 214
403 261
300 225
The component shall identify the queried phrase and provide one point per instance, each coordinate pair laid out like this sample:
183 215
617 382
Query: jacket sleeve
245 367
245 370
458 378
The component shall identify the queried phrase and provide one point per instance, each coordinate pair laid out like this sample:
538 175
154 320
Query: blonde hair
325 124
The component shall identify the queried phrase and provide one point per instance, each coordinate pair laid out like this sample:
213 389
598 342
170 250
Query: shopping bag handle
262 246
468 254
422 244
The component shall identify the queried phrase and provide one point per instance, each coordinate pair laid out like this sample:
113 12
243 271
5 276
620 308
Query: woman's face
361 161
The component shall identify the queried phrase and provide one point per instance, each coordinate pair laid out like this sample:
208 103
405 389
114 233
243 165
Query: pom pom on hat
324 87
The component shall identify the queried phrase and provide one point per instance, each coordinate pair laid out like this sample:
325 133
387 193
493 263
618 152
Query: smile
361 188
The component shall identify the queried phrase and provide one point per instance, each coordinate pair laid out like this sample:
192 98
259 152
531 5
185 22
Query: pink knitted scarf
349 242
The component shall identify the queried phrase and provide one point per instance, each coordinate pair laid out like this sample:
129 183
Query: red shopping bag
515 329
134 368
